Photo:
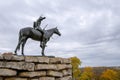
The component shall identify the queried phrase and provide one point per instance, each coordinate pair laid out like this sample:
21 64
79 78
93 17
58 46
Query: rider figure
36 26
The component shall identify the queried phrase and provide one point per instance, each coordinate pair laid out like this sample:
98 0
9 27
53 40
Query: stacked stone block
13 67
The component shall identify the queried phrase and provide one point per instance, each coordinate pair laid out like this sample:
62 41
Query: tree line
89 73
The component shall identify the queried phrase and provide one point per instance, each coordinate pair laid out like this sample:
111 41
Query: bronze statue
35 34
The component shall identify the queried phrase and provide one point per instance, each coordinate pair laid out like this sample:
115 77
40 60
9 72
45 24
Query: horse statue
34 34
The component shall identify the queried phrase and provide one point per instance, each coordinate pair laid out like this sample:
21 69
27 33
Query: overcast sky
90 28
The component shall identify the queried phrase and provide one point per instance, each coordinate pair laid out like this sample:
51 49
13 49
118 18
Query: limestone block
7 72
15 78
54 73
17 58
56 60
66 61
11 56
33 74
7 56
65 78
43 60
34 79
46 78
31 59
1 56
37 59
17 65
67 72
1 78
45 67
63 66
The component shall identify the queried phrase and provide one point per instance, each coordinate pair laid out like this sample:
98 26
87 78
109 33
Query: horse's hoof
43 55
15 54
23 54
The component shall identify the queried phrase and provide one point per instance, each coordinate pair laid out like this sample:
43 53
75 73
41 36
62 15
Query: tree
75 62
118 74
109 75
87 74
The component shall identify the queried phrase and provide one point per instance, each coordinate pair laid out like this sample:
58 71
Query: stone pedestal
14 67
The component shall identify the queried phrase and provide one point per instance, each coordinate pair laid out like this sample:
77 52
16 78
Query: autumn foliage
76 70
93 73
87 74
109 75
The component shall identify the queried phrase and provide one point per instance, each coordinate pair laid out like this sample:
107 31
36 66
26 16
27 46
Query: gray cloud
90 28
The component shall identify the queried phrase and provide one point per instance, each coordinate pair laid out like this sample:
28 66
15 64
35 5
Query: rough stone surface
7 72
13 67
17 58
65 78
67 72
11 56
45 67
54 74
1 56
58 60
33 74
64 66
1 78
37 59
18 65
7 56
34 79
46 78
31 59
15 78
55 60
66 61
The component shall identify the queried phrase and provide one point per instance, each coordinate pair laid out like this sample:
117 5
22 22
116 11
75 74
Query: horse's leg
43 43
19 43
43 48
23 44
18 46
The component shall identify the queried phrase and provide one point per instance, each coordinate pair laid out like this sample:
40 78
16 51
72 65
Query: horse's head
56 31
41 18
